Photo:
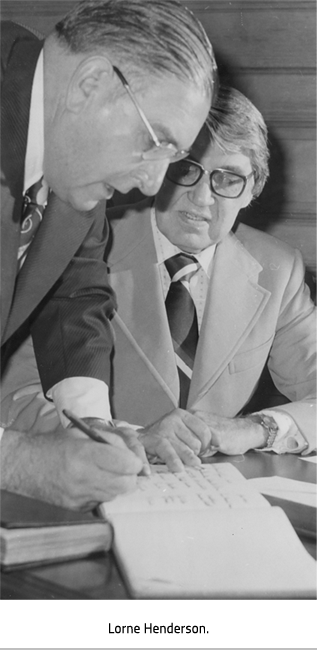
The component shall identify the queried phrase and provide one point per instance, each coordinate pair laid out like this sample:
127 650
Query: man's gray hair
144 36
236 125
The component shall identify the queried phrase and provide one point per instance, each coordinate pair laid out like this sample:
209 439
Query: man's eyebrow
235 169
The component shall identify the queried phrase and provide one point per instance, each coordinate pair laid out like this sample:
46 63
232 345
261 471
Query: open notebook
206 534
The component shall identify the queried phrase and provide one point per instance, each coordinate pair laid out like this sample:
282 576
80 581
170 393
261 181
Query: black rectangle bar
158 628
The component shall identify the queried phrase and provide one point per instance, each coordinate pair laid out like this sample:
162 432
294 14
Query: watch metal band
270 426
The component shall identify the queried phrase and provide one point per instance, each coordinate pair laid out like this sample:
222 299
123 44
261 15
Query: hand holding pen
119 438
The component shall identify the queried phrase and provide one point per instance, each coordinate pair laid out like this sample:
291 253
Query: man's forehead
175 96
204 148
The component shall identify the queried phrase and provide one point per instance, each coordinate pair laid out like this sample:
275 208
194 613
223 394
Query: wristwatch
270 426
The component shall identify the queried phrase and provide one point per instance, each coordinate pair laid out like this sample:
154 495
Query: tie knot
181 265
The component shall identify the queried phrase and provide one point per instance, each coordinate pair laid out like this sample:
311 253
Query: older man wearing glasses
115 93
205 303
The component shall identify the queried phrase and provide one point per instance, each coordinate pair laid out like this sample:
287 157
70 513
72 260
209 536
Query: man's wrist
289 438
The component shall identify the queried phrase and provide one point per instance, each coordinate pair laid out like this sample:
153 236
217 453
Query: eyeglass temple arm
139 110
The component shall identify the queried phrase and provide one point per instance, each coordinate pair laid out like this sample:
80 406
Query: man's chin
85 204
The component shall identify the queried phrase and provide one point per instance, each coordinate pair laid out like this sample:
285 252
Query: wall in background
266 49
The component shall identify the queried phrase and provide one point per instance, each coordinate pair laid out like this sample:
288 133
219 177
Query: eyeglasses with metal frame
223 182
160 149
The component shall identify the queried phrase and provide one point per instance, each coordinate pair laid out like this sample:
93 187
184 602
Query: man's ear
247 199
92 79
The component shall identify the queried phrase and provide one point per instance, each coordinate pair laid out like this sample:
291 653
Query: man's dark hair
236 125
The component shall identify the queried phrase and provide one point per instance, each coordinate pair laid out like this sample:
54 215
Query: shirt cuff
288 439
82 396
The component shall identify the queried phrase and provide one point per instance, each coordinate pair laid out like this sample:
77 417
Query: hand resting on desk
176 439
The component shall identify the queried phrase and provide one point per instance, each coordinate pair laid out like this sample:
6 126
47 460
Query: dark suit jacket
257 310
62 291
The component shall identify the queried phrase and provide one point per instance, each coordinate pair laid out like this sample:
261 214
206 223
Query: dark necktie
182 318
34 203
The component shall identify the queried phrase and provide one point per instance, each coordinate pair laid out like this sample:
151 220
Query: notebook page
214 486
249 553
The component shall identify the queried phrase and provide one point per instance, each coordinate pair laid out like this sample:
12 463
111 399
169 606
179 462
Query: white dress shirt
199 281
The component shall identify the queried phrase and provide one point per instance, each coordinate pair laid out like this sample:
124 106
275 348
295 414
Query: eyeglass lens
223 183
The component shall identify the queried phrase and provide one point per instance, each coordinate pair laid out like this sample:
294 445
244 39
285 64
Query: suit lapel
15 101
234 303
141 309
60 234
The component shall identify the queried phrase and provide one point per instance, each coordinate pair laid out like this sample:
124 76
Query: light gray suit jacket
257 310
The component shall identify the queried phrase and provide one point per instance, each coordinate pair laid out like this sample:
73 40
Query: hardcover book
33 531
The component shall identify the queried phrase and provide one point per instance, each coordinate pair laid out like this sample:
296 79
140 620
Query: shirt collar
34 158
166 249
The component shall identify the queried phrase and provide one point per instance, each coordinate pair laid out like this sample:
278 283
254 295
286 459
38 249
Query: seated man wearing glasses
196 332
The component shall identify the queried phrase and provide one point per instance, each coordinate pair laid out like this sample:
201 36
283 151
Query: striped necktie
182 318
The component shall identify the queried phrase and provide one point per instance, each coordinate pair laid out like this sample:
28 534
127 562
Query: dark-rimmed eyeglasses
224 183
161 149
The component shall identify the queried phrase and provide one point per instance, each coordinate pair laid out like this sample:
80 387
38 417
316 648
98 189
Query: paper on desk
295 490
312 459
209 553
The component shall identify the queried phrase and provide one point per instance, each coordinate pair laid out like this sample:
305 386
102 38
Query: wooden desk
98 577
91 578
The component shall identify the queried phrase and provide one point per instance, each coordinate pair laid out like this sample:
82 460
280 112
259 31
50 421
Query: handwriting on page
217 486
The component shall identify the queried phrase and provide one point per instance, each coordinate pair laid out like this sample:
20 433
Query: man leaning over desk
104 102
247 302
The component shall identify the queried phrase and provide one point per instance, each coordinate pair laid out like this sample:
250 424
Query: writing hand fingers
132 441
119 461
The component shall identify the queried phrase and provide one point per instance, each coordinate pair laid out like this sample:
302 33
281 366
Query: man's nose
201 194
153 174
